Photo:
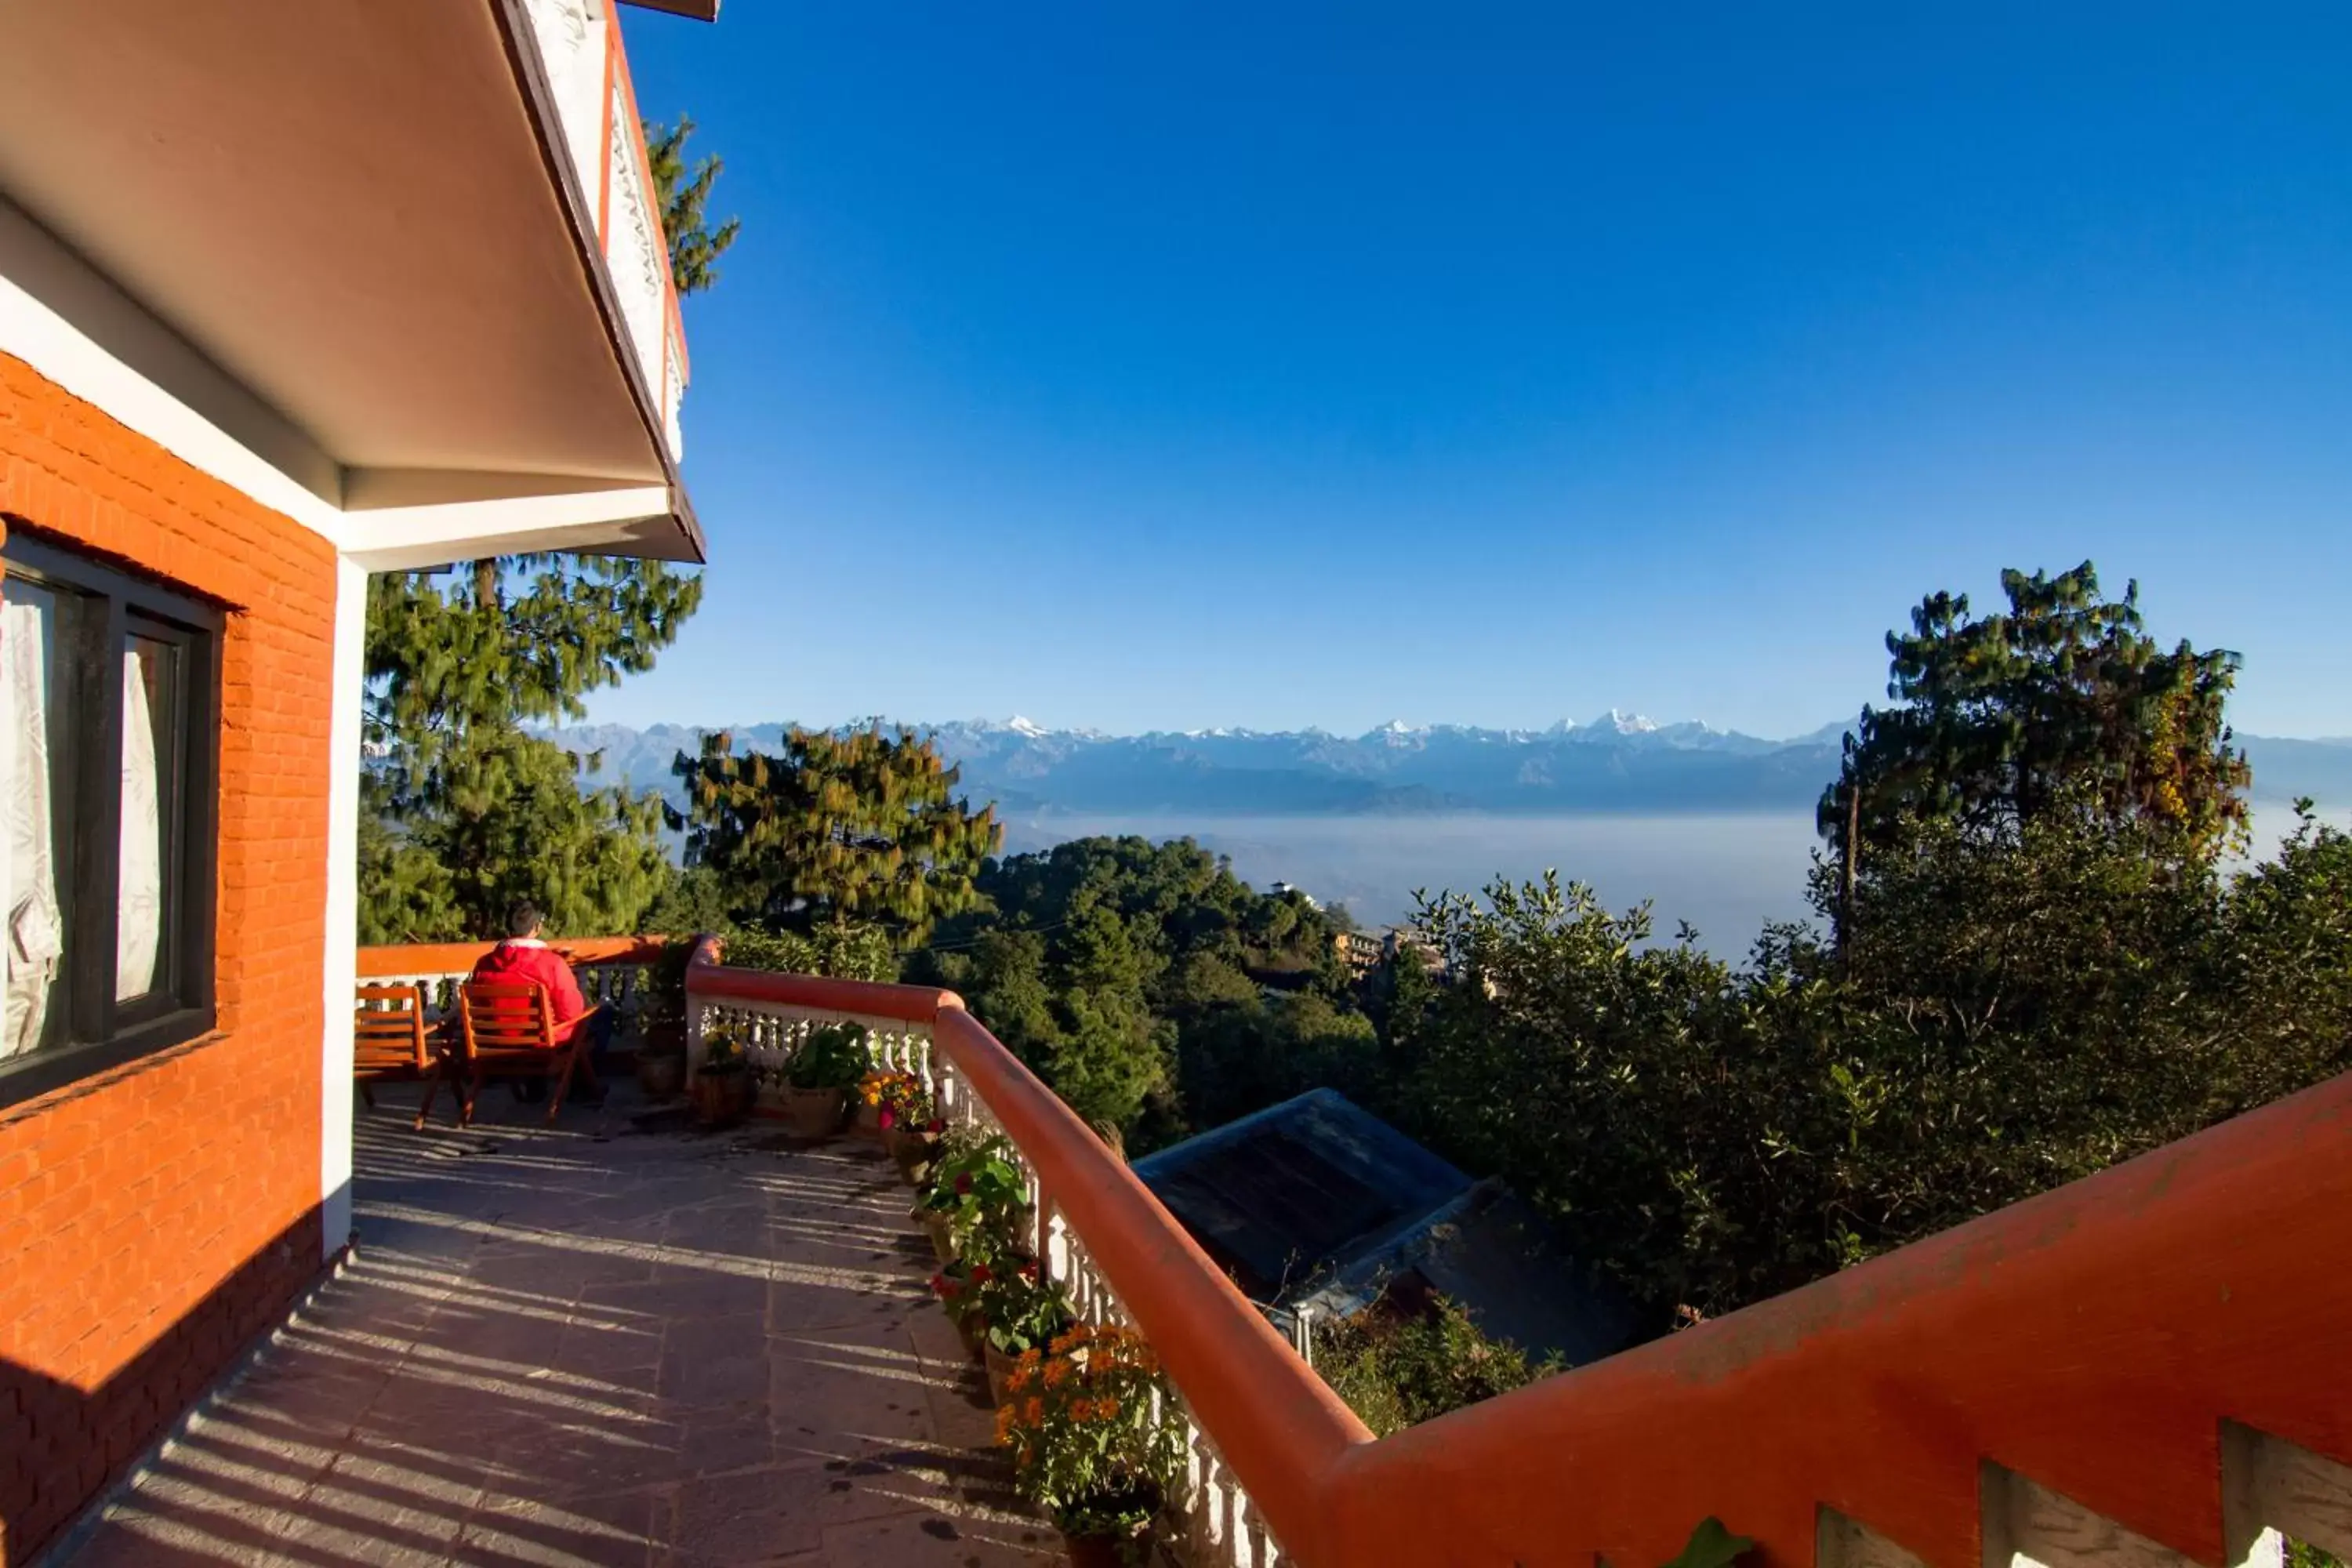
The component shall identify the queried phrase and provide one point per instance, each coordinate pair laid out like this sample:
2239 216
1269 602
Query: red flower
887 1118
938 1124
940 1283
1029 1269
963 1182
979 1274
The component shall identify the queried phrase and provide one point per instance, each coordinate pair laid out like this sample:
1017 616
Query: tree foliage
510 641
2063 699
500 818
2017 1009
855 826
463 811
1398 1368
684 192
1150 986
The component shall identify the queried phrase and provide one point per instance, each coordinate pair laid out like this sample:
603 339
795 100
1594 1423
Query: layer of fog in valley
1726 874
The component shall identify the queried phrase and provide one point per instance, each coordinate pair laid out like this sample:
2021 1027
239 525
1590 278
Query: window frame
110 605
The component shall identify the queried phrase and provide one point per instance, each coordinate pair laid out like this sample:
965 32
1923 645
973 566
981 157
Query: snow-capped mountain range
1617 763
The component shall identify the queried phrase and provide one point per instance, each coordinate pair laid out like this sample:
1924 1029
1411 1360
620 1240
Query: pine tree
455 665
685 192
861 824
2064 702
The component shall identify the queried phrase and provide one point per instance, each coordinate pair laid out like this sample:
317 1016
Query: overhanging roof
367 220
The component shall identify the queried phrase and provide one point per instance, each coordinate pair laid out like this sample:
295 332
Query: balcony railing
612 970
2145 1369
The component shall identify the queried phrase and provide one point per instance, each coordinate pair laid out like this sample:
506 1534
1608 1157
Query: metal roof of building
1317 1203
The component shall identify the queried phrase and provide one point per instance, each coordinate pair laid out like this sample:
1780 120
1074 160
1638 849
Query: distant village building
1365 950
1291 889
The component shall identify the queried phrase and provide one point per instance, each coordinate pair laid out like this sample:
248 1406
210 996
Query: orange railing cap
399 959
910 1003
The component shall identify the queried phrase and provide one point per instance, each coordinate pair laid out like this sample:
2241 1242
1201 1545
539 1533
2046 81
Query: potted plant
722 1089
869 1103
983 1199
957 1286
661 1022
817 1080
1081 1419
1022 1311
903 1113
973 1167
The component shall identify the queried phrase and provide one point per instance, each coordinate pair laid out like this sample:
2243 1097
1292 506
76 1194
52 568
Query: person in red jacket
524 956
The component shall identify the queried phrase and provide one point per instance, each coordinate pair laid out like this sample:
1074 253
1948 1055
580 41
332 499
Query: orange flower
1081 1410
1021 1378
1058 1373
1034 1412
1107 1406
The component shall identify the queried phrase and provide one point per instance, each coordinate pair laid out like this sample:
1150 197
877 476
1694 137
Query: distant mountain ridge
1618 763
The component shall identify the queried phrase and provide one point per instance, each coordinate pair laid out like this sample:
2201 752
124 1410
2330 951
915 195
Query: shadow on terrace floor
598 1344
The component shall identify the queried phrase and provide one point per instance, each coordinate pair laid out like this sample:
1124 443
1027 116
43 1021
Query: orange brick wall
154 1219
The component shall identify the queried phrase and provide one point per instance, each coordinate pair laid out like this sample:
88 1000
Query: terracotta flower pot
971 1328
935 1226
999 1369
812 1112
913 1153
721 1099
661 1074
869 1120
1132 1549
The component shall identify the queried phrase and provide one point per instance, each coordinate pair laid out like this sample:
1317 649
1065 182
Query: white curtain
139 910
36 940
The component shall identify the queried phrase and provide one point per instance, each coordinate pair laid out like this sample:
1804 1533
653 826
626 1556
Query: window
109 717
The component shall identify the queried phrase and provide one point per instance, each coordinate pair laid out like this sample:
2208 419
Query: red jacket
526 958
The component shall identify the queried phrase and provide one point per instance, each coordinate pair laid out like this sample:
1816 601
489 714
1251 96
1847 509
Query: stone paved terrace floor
601 1344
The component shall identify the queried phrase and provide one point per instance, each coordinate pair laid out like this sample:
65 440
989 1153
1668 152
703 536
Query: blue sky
1166 366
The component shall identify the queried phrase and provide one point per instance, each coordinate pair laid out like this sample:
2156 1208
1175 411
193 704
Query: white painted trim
341 953
72 325
67 352
404 539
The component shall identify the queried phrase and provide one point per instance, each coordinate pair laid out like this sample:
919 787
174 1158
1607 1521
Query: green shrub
833 1057
1395 1369
841 952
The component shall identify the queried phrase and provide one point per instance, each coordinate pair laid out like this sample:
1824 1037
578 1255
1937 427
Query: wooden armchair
390 1043
505 1034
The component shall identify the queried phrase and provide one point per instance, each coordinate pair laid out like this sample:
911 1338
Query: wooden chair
505 1034
390 1043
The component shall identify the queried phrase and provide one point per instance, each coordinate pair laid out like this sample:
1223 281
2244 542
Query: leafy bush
833 1057
1395 1369
1026 1311
976 1184
841 953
